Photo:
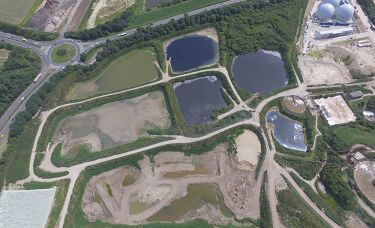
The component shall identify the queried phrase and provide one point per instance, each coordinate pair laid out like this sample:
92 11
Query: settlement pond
287 132
261 72
197 196
191 52
198 98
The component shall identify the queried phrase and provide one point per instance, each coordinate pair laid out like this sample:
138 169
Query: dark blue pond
261 72
198 98
288 133
192 51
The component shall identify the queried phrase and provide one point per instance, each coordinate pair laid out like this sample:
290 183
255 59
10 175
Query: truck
37 77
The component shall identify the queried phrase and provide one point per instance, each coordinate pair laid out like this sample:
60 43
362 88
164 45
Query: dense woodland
115 25
27 33
18 72
371 104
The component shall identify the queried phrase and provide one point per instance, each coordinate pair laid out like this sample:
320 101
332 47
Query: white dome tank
344 12
335 3
325 11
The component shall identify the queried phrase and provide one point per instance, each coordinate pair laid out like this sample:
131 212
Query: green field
133 69
357 135
14 11
295 213
63 53
144 17
3 56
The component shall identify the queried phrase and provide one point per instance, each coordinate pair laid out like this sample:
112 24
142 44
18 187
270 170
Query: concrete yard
335 110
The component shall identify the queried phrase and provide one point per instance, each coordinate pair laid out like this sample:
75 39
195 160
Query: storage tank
335 3
344 12
325 11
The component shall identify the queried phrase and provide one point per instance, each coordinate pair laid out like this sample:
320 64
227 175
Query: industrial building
334 33
331 10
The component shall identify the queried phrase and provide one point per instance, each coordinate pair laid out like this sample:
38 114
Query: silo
325 11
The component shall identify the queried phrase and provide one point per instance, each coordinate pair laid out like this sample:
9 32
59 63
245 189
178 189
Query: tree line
27 33
369 7
103 30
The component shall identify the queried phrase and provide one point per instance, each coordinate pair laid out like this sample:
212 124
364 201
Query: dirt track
158 188
269 164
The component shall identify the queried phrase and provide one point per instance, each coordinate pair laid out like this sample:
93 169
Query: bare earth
364 174
159 183
106 8
248 148
322 71
114 124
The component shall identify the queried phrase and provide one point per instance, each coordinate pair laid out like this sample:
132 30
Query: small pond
198 98
261 72
191 52
288 133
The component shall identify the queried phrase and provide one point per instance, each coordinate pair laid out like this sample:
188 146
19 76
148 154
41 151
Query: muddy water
261 72
198 99
288 133
197 196
191 52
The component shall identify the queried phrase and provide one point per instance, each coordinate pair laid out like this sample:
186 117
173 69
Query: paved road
44 49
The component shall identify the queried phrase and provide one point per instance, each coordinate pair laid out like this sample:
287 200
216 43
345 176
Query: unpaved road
273 168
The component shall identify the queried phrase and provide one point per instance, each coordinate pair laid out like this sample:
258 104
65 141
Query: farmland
133 69
14 11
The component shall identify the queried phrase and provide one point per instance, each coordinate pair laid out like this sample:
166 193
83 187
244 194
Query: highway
44 50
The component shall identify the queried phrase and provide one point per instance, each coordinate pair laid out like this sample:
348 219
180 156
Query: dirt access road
270 165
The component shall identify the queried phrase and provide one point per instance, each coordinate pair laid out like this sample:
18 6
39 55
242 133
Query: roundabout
63 53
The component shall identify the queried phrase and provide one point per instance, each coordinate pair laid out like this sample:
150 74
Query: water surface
198 99
197 196
261 72
191 52
288 133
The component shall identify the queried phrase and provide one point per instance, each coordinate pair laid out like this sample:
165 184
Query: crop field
130 70
14 11
3 56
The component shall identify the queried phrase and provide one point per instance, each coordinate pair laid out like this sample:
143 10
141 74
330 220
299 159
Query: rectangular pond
26 208
198 98
287 132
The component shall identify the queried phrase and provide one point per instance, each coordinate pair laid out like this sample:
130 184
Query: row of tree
27 33
102 30
18 71
369 7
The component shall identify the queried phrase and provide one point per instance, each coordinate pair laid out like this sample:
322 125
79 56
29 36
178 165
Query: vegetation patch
294 212
18 71
133 69
63 53
4 53
14 11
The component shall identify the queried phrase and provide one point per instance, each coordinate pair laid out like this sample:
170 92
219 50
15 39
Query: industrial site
187 113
